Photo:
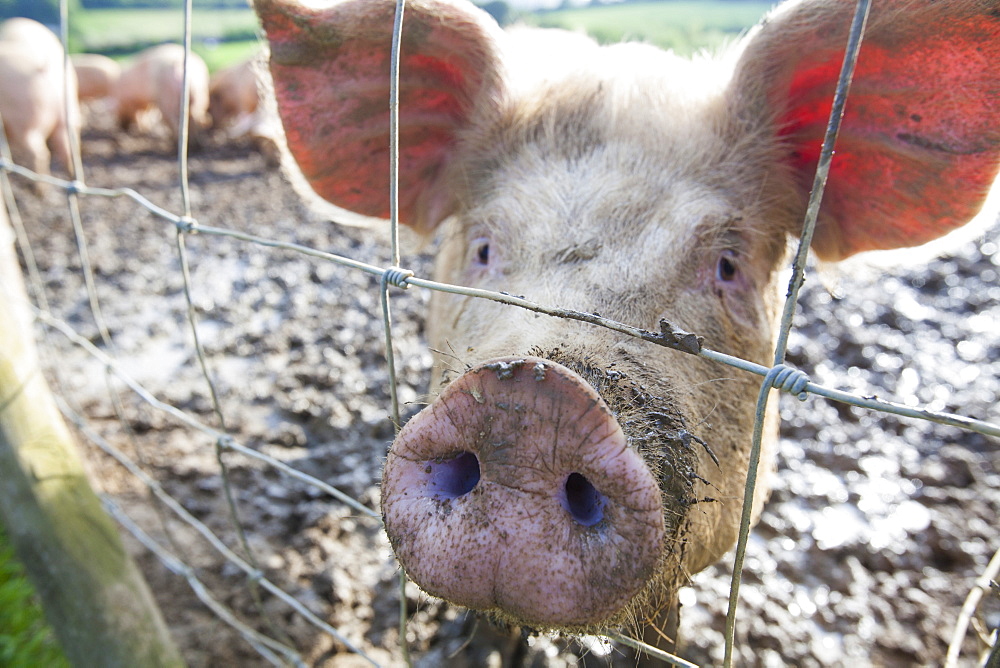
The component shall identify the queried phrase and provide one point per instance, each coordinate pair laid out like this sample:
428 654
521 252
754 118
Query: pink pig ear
920 142
331 71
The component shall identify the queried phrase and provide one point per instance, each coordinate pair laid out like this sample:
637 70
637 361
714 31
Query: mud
874 534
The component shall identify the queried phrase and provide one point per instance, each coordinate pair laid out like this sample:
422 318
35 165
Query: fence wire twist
779 376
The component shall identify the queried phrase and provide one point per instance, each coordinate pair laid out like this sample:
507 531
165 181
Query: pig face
567 477
602 226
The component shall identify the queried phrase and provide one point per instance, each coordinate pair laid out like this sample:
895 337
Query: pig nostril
582 500
455 477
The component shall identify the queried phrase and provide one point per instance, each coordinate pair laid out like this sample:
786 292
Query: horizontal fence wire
668 337
276 652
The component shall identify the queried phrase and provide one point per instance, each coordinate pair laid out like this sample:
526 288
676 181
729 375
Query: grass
681 25
222 54
220 36
26 641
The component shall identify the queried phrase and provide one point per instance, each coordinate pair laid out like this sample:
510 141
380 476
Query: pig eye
726 270
482 251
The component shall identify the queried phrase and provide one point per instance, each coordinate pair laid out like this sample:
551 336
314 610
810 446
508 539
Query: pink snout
516 492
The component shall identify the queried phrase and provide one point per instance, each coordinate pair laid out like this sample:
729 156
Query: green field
224 36
220 54
220 36
684 26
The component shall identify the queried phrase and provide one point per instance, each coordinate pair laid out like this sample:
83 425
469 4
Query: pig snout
516 492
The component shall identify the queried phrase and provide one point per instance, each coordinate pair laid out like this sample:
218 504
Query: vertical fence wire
184 122
397 38
393 276
798 277
189 225
72 126
75 169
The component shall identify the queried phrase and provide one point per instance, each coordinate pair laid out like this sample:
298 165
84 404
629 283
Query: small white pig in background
32 95
566 477
97 76
236 108
233 95
154 81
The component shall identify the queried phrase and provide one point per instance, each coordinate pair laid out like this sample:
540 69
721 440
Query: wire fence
273 647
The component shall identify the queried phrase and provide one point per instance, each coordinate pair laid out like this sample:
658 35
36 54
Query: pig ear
331 71
919 145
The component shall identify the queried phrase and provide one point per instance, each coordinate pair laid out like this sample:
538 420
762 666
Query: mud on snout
550 497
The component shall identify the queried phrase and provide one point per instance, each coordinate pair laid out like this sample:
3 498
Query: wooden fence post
101 609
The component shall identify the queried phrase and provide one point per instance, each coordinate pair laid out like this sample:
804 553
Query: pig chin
522 492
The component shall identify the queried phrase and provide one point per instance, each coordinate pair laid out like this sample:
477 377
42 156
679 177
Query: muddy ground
874 534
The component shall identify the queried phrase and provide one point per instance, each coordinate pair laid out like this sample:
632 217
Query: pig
33 88
567 477
232 94
97 76
154 80
235 107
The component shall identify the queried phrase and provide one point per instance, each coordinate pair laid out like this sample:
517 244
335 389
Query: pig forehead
537 59
540 203
609 149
